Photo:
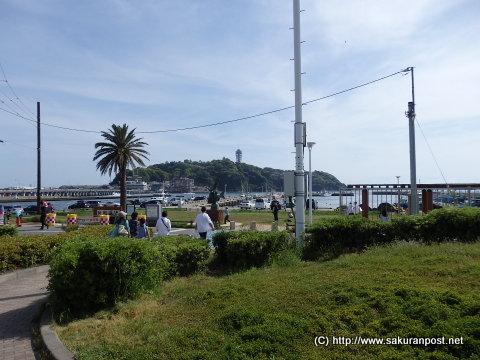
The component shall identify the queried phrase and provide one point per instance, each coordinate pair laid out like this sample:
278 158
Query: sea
322 202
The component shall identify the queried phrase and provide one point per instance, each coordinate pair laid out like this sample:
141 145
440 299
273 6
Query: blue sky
164 65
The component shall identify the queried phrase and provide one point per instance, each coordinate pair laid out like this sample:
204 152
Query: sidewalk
21 295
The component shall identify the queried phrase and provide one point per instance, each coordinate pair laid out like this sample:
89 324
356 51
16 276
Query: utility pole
39 173
413 164
299 130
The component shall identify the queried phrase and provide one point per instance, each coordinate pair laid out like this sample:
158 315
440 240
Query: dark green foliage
244 249
338 235
87 275
8 230
227 172
18 252
185 256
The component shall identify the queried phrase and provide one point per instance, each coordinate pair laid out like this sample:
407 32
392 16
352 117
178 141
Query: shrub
25 251
185 256
8 230
332 237
87 275
244 249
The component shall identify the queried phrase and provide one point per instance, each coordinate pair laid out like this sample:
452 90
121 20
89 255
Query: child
142 231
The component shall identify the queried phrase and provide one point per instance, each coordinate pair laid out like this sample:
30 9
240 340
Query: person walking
226 212
142 230
163 225
274 206
43 215
203 223
122 227
133 223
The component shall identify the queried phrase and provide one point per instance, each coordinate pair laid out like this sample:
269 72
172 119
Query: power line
431 152
220 122
356 87
13 92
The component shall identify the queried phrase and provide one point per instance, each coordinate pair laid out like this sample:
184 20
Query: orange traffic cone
19 220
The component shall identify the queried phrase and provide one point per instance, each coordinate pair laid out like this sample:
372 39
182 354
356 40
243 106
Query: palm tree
121 150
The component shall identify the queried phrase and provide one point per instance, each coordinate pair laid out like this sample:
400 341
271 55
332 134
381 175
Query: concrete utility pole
299 130
413 163
39 172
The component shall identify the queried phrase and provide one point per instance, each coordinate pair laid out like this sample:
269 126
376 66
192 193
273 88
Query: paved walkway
20 300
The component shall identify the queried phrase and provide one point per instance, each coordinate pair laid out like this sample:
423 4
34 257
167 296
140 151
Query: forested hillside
237 176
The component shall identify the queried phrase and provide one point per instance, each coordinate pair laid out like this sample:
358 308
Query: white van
261 204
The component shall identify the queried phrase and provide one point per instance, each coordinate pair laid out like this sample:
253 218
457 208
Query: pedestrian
133 223
275 206
163 226
43 215
383 215
226 212
122 227
203 223
142 230
349 209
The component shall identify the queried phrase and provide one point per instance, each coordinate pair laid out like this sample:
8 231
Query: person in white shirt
163 225
203 223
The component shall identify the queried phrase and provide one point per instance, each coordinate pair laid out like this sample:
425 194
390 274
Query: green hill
236 176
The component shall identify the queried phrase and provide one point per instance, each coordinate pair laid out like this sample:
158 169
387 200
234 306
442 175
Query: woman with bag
142 232
121 226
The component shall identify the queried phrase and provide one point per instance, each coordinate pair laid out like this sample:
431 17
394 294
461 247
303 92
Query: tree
120 151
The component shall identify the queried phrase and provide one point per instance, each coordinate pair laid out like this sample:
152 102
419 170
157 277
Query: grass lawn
403 290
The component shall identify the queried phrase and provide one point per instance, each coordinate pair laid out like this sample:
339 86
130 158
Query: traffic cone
19 220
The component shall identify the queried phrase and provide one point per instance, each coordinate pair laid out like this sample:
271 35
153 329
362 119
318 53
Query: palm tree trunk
123 188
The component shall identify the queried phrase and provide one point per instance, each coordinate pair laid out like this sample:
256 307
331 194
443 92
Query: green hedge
87 275
185 256
331 237
18 251
244 249
8 230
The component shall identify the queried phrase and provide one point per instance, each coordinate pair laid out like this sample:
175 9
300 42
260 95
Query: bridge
30 194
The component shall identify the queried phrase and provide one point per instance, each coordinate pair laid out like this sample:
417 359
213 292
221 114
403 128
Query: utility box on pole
289 183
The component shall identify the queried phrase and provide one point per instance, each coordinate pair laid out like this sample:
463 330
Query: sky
160 66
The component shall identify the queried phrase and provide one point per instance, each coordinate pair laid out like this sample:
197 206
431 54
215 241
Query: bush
244 249
8 230
25 251
332 237
185 256
87 275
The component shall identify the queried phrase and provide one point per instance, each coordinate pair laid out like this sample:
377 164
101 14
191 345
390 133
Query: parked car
80 204
158 202
94 203
30 210
261 204
199 198
247 205
173 201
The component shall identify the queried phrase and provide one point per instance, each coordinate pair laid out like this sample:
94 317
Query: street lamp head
310 144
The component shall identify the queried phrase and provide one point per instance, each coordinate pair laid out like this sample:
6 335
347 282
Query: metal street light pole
310 182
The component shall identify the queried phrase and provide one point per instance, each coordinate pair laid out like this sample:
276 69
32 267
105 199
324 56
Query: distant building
136 183
238 154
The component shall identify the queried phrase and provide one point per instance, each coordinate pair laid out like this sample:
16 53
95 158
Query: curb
23 273
52 343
